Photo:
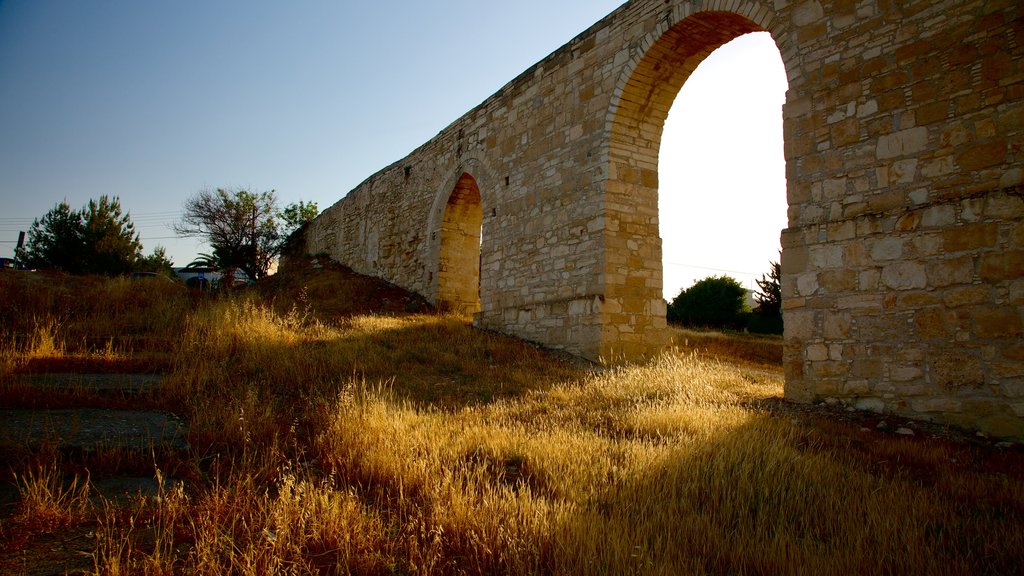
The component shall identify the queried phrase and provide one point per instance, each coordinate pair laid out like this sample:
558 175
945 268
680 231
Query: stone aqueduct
903 263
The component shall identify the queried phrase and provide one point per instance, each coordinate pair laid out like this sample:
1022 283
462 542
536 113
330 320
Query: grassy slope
328 438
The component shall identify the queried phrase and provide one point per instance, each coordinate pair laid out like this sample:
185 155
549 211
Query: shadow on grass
768 497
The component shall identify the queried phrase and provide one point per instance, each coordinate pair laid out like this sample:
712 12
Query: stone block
800 325
935 323
1017 236
838 280
829 370
955 370
1017 292
1012 387
875 405
942 405
970 237
966 296
869 279
807 284
870 369
902 143
982 156
817 353
823 257
904 276
1002 322
887 249
944 273
1002 266
916 300
939 217
905 373
836 326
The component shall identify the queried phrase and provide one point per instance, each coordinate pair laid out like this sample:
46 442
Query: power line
681 265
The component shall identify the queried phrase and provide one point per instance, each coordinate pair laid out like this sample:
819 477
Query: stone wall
903 266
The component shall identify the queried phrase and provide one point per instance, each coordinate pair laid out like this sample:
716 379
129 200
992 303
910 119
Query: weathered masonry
903 263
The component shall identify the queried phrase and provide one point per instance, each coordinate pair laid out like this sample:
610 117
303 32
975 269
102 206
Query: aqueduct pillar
903 263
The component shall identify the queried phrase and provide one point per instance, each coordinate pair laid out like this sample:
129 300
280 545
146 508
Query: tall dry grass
51 318
412 444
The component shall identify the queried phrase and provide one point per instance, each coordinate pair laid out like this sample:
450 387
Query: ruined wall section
903 268
532 148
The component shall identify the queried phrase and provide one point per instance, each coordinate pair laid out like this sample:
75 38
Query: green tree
297 215
714 302
769 293
55 241
241 226
156 262
767 317
98 239
112 246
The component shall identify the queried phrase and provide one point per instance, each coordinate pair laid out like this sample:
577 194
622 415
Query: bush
760 323
714 302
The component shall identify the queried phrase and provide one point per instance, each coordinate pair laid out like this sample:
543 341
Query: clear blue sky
153 101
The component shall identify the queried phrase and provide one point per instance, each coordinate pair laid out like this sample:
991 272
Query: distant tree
98 239
769 293
111 244
241 226
767 317
714 302
295 217
298 214
55 241
156 262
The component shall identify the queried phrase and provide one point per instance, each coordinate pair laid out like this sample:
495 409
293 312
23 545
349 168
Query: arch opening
635 322
458 276
722 180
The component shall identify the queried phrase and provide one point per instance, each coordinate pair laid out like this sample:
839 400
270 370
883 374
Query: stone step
100 383
92 428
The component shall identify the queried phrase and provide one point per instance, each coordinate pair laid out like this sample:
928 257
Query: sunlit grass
413 444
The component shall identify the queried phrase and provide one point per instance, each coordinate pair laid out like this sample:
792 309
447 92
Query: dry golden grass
412 444
752 349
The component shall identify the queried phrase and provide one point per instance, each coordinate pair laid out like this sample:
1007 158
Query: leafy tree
240 225
297 215
714 302
295 218
98 239
156 262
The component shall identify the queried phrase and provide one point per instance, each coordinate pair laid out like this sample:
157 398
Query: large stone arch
634 321
903 262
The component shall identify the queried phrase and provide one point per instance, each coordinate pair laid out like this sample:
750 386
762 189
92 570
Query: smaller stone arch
456 231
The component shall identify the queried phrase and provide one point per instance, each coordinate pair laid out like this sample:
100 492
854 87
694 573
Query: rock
870 405
905 431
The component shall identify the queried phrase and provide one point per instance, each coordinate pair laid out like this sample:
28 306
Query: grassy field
339 427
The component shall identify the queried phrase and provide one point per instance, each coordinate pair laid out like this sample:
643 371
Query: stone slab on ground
91 428
103 383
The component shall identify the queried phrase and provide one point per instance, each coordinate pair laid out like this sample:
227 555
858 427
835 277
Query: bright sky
153 101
